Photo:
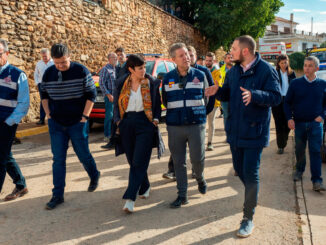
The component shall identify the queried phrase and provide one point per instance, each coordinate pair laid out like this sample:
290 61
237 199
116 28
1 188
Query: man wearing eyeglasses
14 103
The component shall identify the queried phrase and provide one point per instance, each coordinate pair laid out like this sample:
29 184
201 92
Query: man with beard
252 88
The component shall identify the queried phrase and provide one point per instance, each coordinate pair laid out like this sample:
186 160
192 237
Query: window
304 46
161 68
149 67
170 65
287 30
274 28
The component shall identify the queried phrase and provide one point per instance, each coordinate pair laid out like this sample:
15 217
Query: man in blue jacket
14 104
183 94
252 88
305 107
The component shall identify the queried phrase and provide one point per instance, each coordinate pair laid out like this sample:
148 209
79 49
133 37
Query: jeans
225 108
246 162
178 137
7 162
108 117
313 133
42 112
137 134
60 136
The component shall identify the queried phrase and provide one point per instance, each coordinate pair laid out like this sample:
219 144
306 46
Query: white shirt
40 69
285 82
135 101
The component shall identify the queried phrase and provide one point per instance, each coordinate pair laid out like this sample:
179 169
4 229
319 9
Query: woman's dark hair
135 60
279 59
59 50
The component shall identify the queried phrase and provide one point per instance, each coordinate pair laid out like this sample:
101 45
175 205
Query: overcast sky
303 10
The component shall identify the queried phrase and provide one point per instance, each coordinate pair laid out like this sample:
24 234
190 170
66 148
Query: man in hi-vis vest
183 94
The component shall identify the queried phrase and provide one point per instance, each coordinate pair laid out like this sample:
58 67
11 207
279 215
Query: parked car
155 66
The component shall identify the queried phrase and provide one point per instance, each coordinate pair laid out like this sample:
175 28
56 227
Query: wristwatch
84 116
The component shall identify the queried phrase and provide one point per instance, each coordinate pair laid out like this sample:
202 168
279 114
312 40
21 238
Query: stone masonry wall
89 30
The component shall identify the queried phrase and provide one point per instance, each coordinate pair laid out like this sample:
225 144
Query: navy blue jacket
209 77
185 103
248 126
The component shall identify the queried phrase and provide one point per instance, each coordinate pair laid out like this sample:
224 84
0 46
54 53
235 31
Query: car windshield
149 67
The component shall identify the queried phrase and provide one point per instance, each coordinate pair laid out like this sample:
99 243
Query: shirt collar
187 71
309 80
4 67
247 67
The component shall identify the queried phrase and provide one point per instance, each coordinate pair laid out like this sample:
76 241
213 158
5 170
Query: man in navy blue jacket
252 88
305 108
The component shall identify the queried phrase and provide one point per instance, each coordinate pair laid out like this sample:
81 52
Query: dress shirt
107 79
135 101
285 82
309 80
22 99
247 67
40 69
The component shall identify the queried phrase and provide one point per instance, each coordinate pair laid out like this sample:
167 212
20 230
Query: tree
323 45
297 60
222 21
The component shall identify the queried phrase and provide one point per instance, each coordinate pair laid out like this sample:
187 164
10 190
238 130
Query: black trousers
281 125
137 134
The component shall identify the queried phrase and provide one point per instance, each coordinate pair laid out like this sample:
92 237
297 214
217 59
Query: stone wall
90 30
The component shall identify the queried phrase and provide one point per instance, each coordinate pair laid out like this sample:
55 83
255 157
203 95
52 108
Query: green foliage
323 45
297 60
222 21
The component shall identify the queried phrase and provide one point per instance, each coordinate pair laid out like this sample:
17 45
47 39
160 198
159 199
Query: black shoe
54 202
94 183
280 151
40 122
202 187
108 146
297 176
178 202
16 141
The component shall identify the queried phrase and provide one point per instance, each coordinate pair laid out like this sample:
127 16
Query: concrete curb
32 131
303 223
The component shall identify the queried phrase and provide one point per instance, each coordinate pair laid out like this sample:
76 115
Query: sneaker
246 228
317 186
202 187
94 183
108 146
54 202
129 206
146 194
178 202
169 175
297 176
16 193
209 147
280 151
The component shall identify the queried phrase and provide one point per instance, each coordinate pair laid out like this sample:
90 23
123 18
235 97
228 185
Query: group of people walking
246 91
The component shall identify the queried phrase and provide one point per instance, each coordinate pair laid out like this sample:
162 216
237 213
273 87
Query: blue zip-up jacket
209 77
185 103
248 126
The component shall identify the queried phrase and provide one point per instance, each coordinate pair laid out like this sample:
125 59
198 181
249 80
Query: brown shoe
16 193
